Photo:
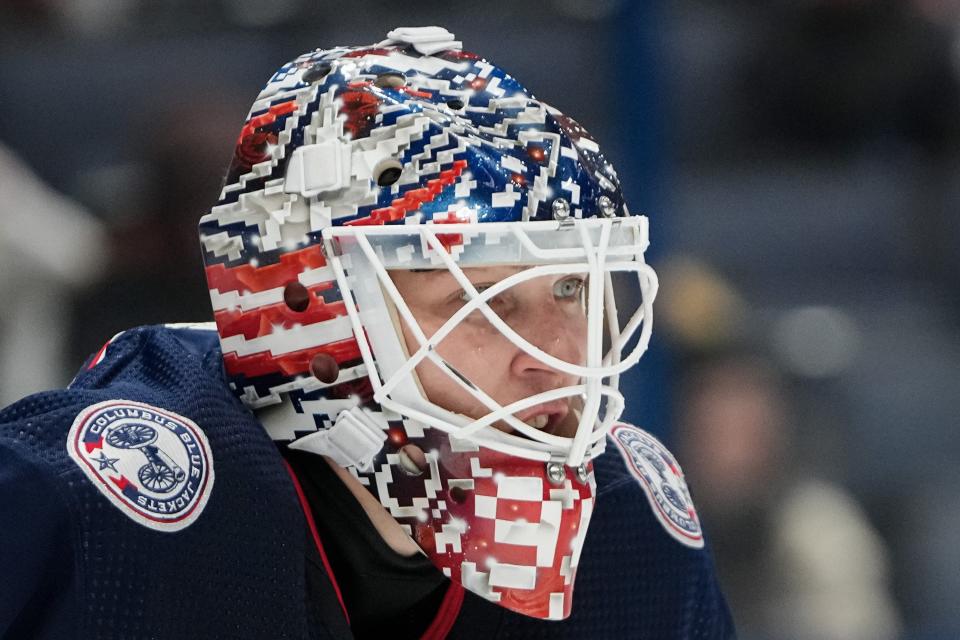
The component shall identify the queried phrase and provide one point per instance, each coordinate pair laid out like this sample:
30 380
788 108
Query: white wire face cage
598 250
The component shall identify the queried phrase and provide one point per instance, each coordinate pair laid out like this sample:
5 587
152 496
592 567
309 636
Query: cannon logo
153 464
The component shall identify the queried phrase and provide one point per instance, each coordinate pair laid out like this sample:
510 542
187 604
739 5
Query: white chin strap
360 259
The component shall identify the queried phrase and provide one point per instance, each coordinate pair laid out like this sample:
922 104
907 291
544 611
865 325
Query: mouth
549 417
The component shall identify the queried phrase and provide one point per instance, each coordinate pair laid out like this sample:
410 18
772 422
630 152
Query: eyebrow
518 267
429 272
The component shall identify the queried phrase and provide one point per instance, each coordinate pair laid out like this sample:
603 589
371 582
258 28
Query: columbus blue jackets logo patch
662 480
153 464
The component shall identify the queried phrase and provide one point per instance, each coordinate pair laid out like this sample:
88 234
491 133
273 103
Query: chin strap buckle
353 440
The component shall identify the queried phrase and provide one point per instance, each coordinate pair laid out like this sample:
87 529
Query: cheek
481 354
578 326
474 351
428 323
576 330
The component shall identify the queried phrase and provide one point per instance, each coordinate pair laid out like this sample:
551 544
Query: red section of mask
511 515
450 240
250 278
289 364
360 106
262 321
359 53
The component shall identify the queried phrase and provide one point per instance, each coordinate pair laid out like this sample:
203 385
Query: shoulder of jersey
657 472
197 338
115 423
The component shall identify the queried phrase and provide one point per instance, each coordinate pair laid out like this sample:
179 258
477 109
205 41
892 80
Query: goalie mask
414 266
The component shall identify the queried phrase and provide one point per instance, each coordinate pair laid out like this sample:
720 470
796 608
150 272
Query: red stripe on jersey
97 359
413 199
254 279
447 615
263 363
308 513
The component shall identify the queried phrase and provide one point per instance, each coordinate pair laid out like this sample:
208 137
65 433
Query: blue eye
568 287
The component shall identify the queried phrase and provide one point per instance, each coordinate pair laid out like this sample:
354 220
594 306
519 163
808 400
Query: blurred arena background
799 161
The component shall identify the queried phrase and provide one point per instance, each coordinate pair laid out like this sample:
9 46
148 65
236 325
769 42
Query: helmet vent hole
458 494
455 104
412 460
324 368
317 72
387 172
296 296
389 81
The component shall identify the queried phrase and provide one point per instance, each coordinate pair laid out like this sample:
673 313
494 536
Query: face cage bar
536 445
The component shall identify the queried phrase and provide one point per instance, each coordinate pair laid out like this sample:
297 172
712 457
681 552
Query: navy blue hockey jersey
145 501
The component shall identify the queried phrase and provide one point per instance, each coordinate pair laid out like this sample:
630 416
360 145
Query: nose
559 334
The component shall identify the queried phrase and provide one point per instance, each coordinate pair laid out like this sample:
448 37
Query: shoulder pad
657 472
190 339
